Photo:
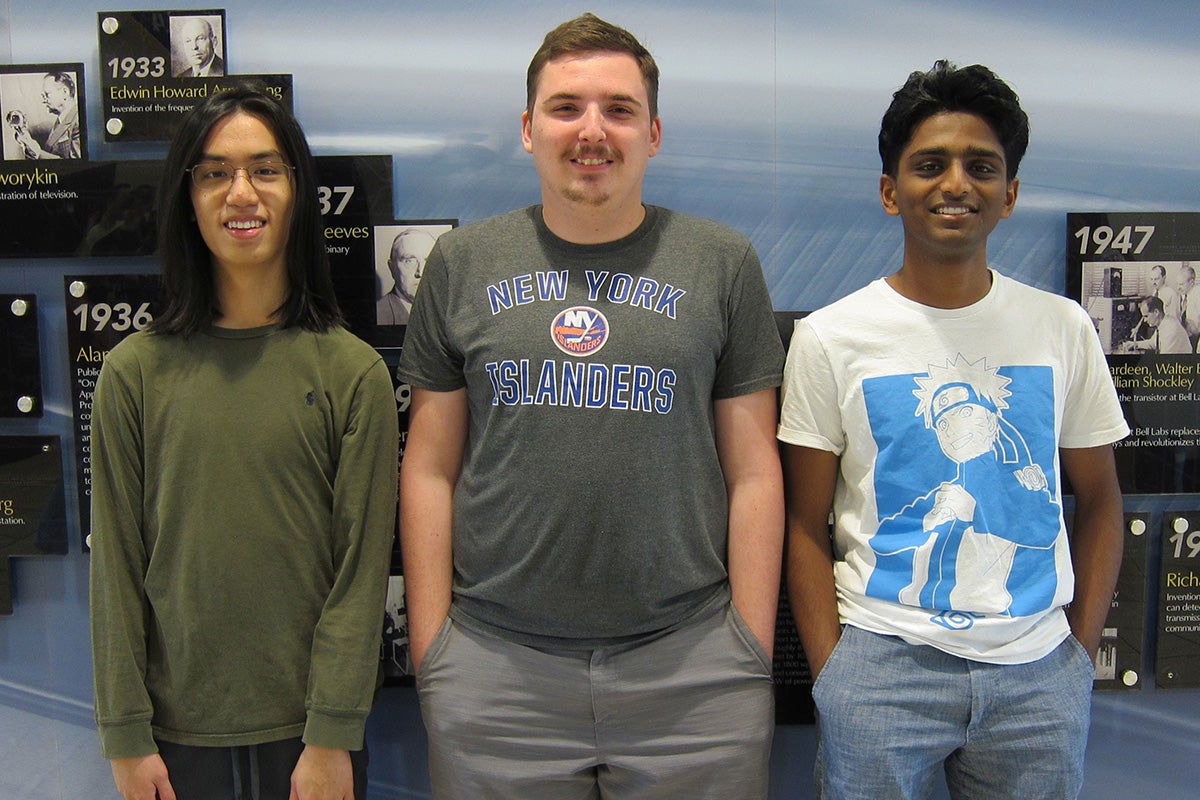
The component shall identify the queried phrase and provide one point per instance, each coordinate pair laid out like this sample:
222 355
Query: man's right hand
142 778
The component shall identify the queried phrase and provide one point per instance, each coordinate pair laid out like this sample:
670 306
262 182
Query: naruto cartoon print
964 502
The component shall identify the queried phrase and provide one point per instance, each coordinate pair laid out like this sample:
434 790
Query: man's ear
887 195
1010 197
526 131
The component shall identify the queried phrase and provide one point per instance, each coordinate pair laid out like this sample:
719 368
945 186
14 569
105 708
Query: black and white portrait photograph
43 110
400 254
197 46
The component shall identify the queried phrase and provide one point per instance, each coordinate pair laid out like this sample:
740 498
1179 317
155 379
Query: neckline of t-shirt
601 248
982 304
218 332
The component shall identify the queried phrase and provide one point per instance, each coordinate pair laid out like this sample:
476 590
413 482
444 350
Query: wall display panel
32 504
353 194
55 209
793 678
790 671
1119 660
20 361
156 65
45 112
1178 657
394 655
101 310
1135 273
354 197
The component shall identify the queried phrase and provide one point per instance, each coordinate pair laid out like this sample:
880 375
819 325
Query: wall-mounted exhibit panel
32 504
55 209
20 361
156 65
1119 660
101 310
1179 601
1135 274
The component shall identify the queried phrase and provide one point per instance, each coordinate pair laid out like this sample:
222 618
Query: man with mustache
591 495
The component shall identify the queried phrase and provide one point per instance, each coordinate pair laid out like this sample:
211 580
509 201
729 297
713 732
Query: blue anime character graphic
982 539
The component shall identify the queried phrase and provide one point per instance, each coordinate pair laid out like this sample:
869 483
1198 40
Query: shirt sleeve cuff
337 731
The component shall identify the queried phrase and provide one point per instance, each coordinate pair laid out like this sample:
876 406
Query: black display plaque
394 653
1178 657
45 112
1115 263
790 671
355 194
20 361
793 678
56 209
101 311
32 503
1119 659
156 65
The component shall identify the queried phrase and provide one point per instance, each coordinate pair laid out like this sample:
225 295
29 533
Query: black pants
249 772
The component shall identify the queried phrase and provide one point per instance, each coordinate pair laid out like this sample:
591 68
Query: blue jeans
890 715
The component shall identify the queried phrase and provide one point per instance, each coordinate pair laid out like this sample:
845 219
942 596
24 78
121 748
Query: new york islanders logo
579 331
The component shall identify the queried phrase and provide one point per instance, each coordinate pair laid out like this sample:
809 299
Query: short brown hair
590 34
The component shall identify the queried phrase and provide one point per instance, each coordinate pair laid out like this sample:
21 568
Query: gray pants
687 714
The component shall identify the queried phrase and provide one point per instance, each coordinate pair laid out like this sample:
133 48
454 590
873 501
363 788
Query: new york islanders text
577 384
619 287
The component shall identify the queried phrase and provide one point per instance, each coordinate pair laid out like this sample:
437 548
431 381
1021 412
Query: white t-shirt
948 526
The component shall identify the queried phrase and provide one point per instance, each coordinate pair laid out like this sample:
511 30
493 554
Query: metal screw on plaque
110 25
1129 677
25 404
1137 526
1181 525
19 307
77 289
1170 676
114 126
45 448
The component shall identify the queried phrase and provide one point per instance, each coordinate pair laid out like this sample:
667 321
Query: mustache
593 151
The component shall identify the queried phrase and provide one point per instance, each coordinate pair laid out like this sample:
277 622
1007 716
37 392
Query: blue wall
770 111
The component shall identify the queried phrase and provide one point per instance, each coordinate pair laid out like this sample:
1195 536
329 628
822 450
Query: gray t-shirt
591 507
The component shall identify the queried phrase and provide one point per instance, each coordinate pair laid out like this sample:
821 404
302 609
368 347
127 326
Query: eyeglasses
212 175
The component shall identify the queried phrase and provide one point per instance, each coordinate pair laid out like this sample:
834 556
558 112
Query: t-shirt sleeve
429 359
1092 413
810 414
752 358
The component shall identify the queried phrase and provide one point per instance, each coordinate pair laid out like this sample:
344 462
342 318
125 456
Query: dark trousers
248 772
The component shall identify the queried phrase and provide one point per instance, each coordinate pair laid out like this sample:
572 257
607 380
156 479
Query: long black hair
186 260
